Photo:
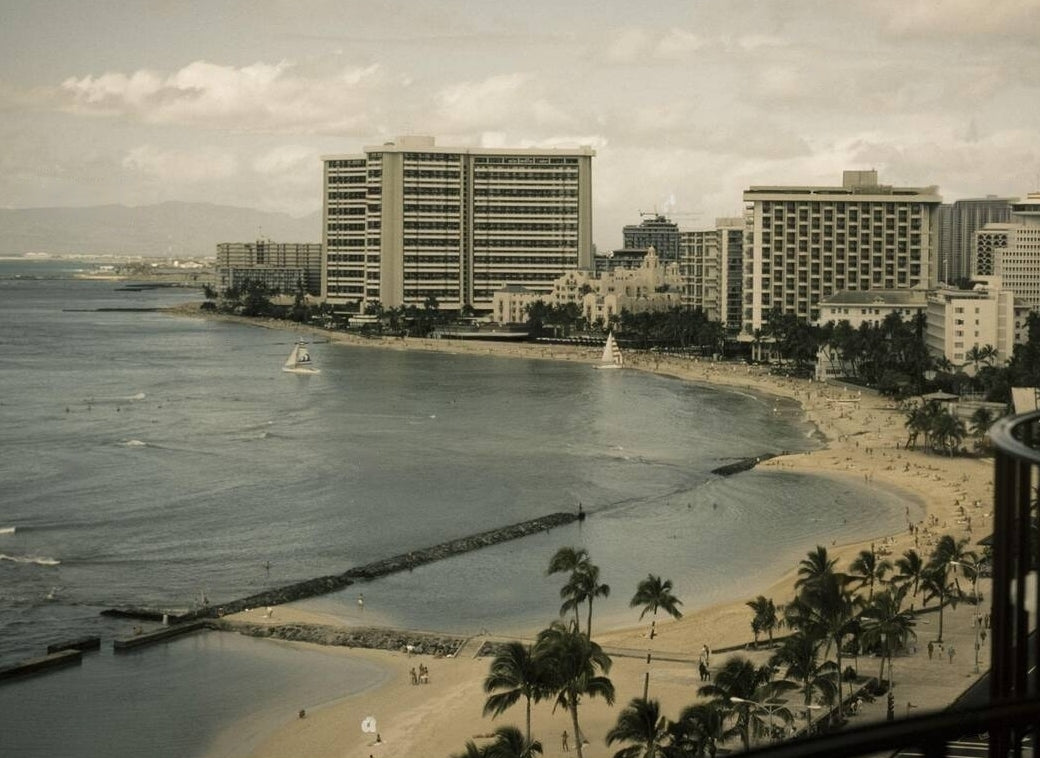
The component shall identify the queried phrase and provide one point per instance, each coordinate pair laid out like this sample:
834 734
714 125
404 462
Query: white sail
299 361
612 357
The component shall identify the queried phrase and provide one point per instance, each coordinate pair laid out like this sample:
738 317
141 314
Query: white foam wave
8 529
39 561
138 396
134 443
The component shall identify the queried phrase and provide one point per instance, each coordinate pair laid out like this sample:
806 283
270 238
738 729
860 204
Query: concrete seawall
419 643
324 584
44 663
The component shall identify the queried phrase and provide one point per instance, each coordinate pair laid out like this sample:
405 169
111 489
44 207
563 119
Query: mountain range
171 229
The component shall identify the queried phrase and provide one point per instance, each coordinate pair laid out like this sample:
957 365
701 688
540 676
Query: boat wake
115 400
39 561
133 443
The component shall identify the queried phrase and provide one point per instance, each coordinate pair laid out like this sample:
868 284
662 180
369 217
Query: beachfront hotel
408 221
1012 251
282 266
806 243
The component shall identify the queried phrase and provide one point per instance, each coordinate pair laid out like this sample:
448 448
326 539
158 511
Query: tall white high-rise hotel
407 221
806 243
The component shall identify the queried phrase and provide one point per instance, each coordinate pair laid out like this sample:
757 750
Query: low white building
959 320
860 307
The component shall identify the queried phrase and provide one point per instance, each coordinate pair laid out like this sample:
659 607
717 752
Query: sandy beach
864 435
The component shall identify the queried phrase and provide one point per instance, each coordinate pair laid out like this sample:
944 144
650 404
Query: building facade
872 307
958 223
959 320
282 266
1012 251
701 271
806 243
408 221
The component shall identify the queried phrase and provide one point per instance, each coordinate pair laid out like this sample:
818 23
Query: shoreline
860 436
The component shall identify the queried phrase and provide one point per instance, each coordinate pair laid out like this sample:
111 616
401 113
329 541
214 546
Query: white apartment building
959 320
282 266
806 243
872 307
1012 251
408 220
701 269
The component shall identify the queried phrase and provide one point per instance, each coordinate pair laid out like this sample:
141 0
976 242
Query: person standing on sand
564 738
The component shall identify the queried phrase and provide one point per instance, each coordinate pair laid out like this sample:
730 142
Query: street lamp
975 596
769 708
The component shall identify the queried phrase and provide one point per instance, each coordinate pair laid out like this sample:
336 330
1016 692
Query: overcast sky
687 102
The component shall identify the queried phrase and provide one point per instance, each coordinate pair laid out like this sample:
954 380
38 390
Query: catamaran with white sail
299 360
612 357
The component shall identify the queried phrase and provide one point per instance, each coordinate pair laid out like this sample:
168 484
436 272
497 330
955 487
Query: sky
686 102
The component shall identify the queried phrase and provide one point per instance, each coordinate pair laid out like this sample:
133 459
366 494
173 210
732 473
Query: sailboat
299 360
612 357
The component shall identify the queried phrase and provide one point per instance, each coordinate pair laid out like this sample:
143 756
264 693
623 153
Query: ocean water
149 459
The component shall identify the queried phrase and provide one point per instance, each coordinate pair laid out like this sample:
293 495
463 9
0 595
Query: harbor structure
285 267
412 223
804 243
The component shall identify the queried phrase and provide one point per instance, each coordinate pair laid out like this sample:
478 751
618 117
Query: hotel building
282 266
408 221
959 320
958 223
805 243
1012 251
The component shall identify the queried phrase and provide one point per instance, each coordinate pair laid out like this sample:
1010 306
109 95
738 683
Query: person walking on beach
951 652
565 739
931 649
361 601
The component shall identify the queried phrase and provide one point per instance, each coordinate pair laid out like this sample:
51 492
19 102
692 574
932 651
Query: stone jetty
744 464
418 643
325 584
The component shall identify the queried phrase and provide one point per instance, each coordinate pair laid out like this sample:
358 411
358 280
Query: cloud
181 166
259 97
1009 19
286 159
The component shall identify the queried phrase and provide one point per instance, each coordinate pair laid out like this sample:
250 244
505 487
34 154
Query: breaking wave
39 561
8 529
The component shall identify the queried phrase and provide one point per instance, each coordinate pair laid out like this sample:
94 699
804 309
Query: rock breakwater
417 643
324 584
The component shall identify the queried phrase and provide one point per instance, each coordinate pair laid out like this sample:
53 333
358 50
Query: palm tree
935 582
813 566
868 569
765 617
654 594
583 586
887 626
515 673
567 559
740 678
910 568
510 743
642 724
800 654
699 729
471 751
825 609
576 667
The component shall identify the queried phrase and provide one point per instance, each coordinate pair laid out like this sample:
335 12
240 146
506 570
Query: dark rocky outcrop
744 464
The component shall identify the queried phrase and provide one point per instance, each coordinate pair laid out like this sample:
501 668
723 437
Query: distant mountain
167 229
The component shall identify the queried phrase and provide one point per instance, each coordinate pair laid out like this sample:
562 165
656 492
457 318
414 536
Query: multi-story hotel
700 268
408 221
959 320
282 266
1012 251
958 223
805 243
